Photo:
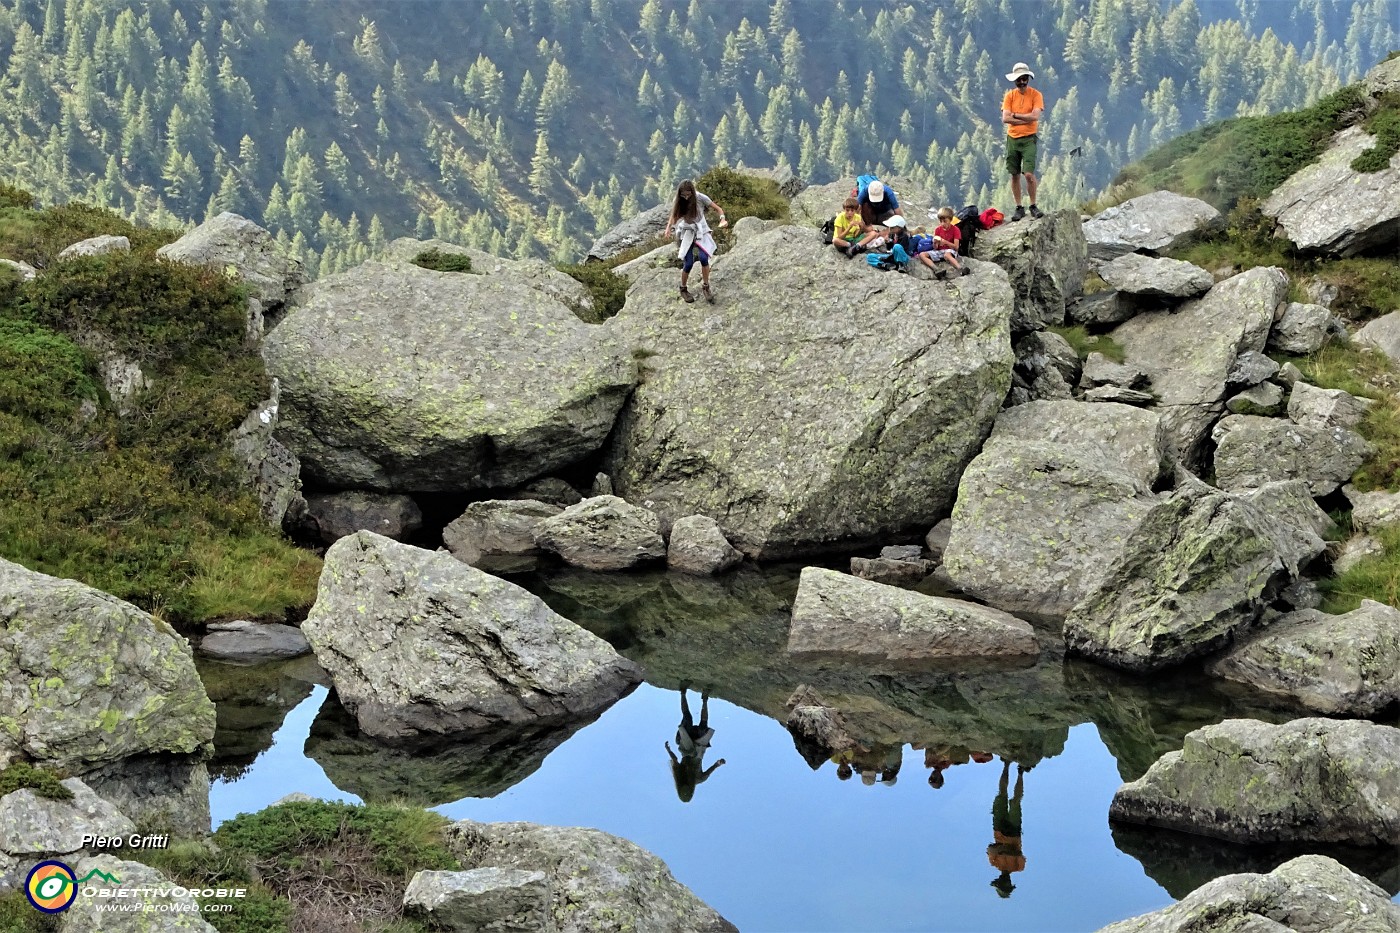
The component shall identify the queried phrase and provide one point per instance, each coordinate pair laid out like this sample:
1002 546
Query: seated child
943 245
849 227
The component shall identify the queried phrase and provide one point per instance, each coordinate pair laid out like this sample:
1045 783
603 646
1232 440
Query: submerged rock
86 678
1310 894
798 423
1338 665
599 881
1315 780
841 614
399 379
419 643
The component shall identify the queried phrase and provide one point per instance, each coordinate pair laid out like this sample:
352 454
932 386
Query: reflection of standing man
1004 853
693 741
1021 109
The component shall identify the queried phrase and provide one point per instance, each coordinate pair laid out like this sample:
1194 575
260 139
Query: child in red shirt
945 243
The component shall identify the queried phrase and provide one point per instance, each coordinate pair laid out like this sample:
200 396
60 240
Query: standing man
1020 111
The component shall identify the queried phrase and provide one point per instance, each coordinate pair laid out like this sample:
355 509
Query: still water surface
774 839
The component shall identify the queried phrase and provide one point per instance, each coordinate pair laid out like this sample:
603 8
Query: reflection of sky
774 846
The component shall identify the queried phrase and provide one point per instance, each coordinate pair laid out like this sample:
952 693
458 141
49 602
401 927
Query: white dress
695 234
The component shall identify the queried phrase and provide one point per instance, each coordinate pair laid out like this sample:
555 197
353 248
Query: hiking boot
966 271
685 293
1018 214
709 295
851 250
1036 212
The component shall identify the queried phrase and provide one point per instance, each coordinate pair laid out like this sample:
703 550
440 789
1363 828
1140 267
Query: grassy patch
439 261
741 196
37 237
17 915
1384 124
1376 577
312 861
1247 157
1085 343
146 504
1367 373
43 783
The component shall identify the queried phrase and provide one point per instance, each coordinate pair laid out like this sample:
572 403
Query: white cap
895 221
876 191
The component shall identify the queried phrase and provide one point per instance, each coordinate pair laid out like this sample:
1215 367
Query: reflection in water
1004 854
693 740
250 703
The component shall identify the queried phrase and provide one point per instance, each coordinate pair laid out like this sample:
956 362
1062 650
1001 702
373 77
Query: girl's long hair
686 206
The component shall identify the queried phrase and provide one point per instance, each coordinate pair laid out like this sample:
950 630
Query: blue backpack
863 182
896 260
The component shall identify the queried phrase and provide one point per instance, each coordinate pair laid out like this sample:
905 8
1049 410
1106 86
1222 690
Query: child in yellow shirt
849 227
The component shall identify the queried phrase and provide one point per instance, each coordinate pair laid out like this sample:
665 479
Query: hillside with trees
526 127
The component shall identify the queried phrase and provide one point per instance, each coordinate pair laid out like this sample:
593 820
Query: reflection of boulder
432 773
250 704
1182 862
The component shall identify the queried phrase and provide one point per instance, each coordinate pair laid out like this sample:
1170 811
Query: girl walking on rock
693 235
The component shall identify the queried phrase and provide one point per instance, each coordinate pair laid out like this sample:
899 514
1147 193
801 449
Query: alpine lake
977 801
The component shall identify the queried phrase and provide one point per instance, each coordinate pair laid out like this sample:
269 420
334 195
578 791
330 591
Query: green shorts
1020 154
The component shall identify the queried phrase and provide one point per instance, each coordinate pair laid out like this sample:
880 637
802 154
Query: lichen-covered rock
1332 664
840 614
1046 368
248 253
646 227
1102 307
796 422
534 274
599 881
1372 510
603 533
159 904
1296 522
549 489
1194 573
337 514
1309 780
1354 550
497 528
1329 207
1251 368
1384 334
1153 277
1126 437
1046 261
31 825
1099 370
1310 894
1157 222
1302 329
269 467
22 269
1189 354
508 900
86 678
1264 399
1325 408
815 204
96 246
891 571
1038 523
418 643
1251 450
698 546
399 379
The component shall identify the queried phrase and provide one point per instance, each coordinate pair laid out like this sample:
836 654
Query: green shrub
43 783
10 196
43 375
37 237
1384 124
17 915
439 261
741 196
607 289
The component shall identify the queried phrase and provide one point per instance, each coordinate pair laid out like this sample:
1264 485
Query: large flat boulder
1329 207
1189 353
798 422
1157 222
534 274
418 643
1155 277
1038 524
1251 450
598 881
87 679
1046 261
1309 780
399 379
1309 894
835 613
1194 573
1132 439
1337 665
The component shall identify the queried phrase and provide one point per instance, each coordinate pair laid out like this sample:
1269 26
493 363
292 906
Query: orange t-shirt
1018 101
